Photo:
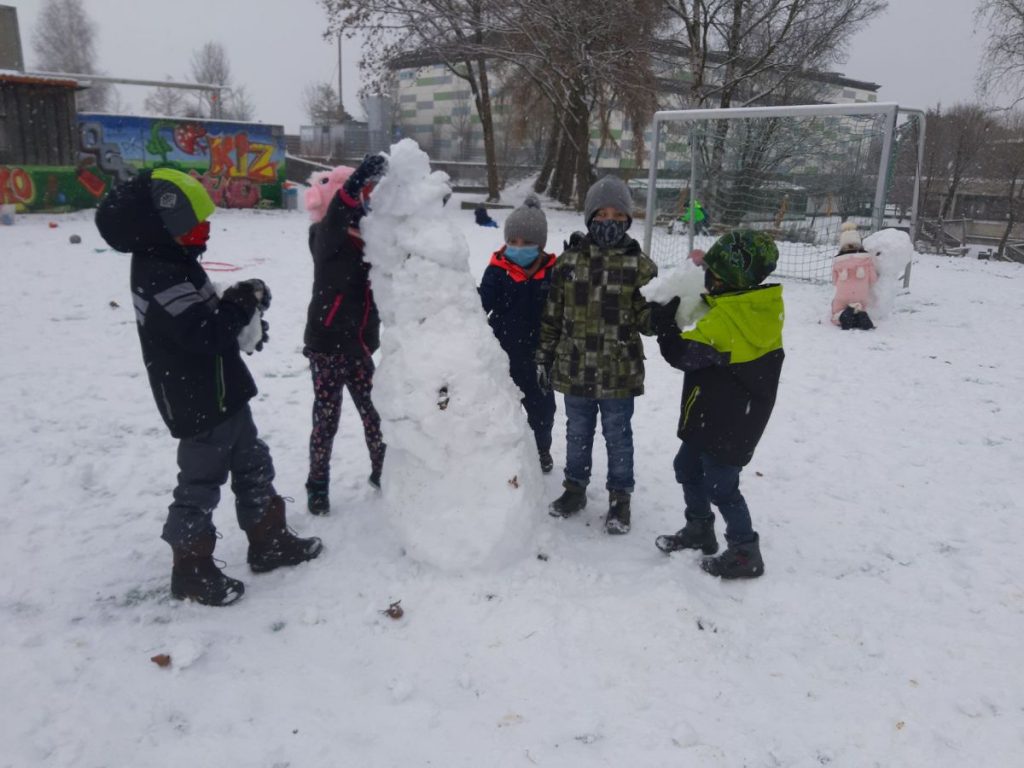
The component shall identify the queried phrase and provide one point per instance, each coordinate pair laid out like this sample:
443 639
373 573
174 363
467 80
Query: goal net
796 172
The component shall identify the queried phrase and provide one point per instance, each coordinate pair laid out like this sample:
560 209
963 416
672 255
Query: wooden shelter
38 124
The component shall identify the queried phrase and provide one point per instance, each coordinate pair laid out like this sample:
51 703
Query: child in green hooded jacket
732 358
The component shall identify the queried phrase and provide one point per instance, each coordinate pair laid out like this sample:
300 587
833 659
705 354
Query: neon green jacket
732 358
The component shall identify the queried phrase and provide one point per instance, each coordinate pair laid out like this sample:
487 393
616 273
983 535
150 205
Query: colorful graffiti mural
241 165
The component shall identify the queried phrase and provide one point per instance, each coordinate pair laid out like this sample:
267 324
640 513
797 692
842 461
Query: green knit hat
742 259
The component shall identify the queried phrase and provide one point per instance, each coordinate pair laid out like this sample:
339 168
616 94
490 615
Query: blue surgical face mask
523 255
607 234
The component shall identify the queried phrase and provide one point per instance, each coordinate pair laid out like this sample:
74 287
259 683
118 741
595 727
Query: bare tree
453 33
1002 66
238 105
968 132
320 103
1007 165
168 102
741 52
64 40
210 65
588 59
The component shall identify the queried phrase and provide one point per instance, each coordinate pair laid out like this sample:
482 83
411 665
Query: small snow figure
447 491
853 273
483 219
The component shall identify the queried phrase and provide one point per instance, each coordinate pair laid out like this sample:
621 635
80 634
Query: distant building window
849 93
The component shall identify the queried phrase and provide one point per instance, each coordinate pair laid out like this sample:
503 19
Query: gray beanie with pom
528 222
608 192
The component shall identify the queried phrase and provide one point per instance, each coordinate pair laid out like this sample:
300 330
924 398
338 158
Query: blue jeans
707 481
581 423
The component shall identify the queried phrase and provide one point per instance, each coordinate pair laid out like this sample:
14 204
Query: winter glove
663 317
544 378
250 295
371 169
266 335
574 241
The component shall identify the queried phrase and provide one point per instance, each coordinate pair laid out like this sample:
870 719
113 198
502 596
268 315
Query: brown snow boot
272 544
195 576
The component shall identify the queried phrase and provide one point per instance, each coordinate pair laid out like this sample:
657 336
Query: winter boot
546 462
739 561
196 577
617 520
318 496
696 534
569 503
374 479
272 544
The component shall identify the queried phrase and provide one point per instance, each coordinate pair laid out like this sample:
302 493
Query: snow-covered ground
886 630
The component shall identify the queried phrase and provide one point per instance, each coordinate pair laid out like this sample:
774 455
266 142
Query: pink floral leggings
331 372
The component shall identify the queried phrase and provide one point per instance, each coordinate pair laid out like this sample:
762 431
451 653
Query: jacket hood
151 209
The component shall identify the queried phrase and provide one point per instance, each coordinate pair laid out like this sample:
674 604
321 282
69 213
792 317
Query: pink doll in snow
324 185
853 273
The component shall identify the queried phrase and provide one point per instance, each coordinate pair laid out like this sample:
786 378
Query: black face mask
607 234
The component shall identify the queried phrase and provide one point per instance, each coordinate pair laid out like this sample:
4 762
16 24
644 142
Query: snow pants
540 406
331 372
707 481
233 448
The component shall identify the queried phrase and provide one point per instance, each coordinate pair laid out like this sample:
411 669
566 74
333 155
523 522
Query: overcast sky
920 52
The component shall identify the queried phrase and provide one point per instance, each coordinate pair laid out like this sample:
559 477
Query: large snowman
461 480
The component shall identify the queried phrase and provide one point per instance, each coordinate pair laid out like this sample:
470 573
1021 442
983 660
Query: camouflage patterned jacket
591 326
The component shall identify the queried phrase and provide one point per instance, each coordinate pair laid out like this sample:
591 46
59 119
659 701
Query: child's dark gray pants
204 462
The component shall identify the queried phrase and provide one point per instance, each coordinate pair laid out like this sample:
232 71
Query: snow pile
461 480
893 252
686 282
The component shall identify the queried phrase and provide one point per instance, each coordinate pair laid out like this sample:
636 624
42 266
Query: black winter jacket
342 316
514 302
733 359
189 339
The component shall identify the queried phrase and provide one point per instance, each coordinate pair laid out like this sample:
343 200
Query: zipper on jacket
332 311
221 389
690 401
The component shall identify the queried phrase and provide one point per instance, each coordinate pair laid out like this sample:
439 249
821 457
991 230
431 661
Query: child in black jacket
201 386
733 359
513 292
342 331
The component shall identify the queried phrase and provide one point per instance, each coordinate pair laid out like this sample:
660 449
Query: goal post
797 172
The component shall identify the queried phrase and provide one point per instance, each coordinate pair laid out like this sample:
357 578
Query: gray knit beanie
608 192
528 222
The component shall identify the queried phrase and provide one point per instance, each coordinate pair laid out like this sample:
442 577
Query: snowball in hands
686 282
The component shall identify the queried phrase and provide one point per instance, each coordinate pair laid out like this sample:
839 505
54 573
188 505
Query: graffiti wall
242 165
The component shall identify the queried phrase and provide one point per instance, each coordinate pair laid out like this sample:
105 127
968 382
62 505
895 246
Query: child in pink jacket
853 274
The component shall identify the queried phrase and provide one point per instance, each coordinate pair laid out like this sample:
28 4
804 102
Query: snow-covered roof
14 76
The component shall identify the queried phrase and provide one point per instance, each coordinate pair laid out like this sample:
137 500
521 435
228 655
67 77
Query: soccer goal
797 172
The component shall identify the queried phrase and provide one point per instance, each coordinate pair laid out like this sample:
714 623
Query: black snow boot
272 544
616 522
569 503
318 496
739 561
546 462
696 534
195 576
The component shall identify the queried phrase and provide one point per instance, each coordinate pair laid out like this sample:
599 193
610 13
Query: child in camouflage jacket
590 348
